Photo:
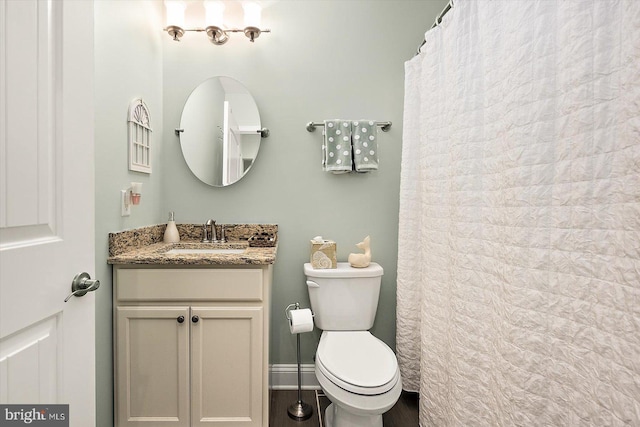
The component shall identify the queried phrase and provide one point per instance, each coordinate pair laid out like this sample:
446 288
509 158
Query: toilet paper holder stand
294 306
299 410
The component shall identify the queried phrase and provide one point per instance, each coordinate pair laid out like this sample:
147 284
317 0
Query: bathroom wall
128 65
324 59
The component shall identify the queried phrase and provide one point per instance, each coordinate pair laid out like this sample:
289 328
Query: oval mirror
220 131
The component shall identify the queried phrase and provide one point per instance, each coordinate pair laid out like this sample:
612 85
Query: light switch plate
124 203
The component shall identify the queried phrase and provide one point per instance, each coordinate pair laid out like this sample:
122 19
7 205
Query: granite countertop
145 246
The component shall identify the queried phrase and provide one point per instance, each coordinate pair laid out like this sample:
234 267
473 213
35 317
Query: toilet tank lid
344 270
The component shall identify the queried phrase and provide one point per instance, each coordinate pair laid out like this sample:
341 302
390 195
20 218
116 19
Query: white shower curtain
519 239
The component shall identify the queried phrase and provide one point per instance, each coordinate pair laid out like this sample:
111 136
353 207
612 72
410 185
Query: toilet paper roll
301 321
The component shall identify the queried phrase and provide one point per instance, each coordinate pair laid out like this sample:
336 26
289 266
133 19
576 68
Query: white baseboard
285 377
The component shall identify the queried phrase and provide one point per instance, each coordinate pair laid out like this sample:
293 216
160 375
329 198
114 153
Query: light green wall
324 59
128 65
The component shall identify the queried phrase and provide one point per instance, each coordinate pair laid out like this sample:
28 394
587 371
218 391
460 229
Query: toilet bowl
360 375
357 371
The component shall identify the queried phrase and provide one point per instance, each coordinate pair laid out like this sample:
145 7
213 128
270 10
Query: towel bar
264 132
311 126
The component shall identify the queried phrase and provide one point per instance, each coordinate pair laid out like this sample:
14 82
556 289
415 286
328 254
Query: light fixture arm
217 35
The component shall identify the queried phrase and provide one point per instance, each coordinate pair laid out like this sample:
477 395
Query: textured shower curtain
519 239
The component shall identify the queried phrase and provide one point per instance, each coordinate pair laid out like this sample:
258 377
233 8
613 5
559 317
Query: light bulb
175 18
252 12
214 13
175 13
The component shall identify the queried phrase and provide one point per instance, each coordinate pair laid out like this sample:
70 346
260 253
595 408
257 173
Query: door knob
82 284
180 319
195 319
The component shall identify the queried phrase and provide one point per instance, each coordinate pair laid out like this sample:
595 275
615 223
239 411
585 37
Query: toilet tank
344 298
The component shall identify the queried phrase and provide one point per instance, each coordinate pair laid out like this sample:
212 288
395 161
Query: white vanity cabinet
191 345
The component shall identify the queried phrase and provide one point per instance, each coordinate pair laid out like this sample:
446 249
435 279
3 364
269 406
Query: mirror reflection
220 135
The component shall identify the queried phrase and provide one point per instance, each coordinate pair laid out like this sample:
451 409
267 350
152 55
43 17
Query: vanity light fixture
214 17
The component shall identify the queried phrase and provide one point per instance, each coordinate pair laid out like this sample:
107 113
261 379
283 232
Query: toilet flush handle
312 284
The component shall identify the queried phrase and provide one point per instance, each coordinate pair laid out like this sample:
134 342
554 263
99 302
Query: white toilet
358 372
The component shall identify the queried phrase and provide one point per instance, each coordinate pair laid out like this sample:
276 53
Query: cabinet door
152 374
226 366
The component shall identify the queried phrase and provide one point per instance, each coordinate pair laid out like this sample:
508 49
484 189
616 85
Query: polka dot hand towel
336 148
365 145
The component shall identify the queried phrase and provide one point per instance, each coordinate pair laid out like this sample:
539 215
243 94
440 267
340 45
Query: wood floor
403 414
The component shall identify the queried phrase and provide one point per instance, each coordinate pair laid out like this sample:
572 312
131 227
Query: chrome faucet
206 236
212 237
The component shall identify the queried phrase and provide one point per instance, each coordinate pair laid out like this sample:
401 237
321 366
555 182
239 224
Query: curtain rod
437 22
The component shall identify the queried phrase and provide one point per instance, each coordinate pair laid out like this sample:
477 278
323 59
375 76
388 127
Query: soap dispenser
171 234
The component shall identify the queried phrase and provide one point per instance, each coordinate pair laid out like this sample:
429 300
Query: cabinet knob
180 319
195 319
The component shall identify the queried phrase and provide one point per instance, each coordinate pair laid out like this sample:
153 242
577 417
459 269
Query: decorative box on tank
323 253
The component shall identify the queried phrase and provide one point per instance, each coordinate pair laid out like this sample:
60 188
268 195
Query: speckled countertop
145 246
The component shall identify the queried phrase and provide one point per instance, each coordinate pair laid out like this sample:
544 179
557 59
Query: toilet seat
357 362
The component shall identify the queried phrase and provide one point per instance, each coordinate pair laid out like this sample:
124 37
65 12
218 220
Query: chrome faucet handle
223 238
205 234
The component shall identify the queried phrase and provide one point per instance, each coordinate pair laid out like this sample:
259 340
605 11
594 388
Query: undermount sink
203 251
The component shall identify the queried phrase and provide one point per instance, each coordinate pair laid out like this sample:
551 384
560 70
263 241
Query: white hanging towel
365 145
336 148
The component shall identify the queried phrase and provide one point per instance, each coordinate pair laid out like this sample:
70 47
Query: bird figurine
361 260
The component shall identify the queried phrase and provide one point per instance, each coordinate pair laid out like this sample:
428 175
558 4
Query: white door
47 346
232 168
